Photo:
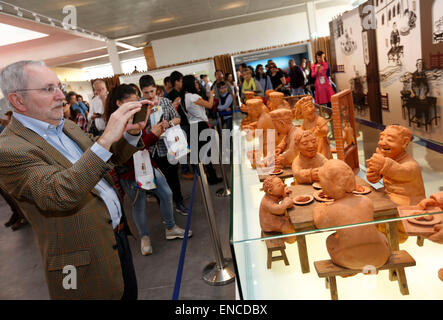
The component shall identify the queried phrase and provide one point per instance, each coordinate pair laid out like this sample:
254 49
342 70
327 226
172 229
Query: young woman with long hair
118 96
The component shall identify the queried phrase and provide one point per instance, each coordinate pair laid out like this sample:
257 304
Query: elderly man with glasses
60 177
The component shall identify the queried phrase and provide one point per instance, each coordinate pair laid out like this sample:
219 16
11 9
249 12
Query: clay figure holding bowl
400 172
354 247
306 165
273 206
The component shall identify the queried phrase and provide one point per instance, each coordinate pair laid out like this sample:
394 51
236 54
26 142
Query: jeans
170 172
228 123
163 192
298 91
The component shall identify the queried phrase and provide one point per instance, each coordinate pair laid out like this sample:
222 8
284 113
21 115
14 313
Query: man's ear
17 101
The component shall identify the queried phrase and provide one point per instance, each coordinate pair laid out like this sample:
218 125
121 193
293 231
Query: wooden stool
275 245
397 261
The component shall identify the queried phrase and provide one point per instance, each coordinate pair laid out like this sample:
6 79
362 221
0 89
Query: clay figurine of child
305 166
273 208
354 247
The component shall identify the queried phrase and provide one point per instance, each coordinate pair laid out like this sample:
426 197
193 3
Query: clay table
302 218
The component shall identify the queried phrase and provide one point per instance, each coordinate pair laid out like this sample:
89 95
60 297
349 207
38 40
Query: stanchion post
225 191
221 271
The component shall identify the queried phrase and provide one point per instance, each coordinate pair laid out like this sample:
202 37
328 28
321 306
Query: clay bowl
303 199
316 185
319 196
362 190
276 172
425 220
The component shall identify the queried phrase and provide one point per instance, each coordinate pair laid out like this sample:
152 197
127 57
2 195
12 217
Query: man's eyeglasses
50 89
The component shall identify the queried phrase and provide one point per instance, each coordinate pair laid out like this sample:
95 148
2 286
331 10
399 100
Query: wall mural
437 22
348 45
419 106
399 18
358 84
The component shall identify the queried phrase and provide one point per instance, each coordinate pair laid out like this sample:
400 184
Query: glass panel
283 282
299 279
248 192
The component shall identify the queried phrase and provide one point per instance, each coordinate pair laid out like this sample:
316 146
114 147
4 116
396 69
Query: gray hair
98 81
13 77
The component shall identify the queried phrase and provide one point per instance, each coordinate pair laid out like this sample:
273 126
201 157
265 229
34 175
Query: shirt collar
38 126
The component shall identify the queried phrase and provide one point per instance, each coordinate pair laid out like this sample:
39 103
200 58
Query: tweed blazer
70 220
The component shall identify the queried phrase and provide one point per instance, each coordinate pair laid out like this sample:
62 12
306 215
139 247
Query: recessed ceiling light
11 34
161 20
234 5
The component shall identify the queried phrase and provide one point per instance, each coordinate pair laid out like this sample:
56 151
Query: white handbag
176 143
144 174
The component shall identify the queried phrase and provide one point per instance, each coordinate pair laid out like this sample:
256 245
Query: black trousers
128 271
171 174
210 170
16 211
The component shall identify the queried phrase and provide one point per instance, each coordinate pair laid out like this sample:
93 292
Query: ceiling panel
109 17
147 20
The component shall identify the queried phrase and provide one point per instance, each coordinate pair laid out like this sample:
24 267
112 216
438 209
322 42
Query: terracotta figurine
355 247
287 150
401 173
259 128
276 101
254 108
305 109
348 135
282 123
273 217
306 165
435 200
268 92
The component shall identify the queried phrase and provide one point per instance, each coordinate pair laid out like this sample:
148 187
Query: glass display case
269 268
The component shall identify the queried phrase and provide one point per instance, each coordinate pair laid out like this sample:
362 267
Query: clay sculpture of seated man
276 101
305 109
268 92
435 200
305 166
254 108
400 172
354 247
273 208
287 150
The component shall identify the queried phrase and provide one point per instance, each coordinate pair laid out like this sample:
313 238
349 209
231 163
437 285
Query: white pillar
113 57
312 19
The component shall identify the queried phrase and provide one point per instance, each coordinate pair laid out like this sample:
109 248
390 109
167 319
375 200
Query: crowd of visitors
304 78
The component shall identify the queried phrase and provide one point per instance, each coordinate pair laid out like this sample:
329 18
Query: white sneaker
146 246
176 232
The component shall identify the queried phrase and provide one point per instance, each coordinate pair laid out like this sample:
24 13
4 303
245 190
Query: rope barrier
178 278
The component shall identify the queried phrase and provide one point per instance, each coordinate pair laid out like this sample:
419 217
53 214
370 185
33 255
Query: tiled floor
22 275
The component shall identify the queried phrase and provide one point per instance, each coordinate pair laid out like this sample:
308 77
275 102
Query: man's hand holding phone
122 120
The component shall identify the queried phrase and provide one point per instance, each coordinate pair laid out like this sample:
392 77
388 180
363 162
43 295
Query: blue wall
281 62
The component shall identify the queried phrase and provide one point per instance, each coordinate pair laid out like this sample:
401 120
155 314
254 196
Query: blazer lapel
38 141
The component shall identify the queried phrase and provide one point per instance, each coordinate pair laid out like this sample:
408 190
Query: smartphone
141 115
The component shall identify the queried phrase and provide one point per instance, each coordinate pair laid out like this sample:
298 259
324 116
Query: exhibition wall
241 37
410 82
